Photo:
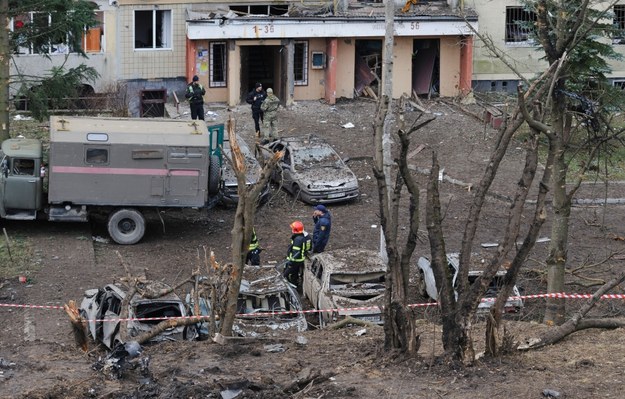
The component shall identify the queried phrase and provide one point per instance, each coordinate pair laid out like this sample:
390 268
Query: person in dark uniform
256 98
195 94
323 224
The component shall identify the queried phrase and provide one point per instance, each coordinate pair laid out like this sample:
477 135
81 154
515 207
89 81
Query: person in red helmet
296 255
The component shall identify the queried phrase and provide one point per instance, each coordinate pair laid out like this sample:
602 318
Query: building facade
304 50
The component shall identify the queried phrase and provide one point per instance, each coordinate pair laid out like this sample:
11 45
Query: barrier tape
559 295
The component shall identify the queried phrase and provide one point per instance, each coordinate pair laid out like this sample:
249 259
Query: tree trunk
4 70
243 223
556 307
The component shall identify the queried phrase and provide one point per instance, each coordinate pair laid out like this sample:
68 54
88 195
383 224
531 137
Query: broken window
30 34
519 24
263 9
153 29
24 167
218 65
300 67
92 37
618 36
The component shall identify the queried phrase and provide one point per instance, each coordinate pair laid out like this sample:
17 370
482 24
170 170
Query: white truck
118 167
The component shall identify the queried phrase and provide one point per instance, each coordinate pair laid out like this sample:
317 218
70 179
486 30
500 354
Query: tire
421 287
214 175
126 226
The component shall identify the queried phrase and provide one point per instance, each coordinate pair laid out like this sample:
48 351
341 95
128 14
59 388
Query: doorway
261 64
426 67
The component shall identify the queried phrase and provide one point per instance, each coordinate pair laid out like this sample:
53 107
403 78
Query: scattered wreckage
427 284
346 282
313 171
267 304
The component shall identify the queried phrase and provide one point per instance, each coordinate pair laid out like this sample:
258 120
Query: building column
331 66
190 59
466 65
290 73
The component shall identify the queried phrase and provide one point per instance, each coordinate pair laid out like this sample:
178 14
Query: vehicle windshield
371 281
316 156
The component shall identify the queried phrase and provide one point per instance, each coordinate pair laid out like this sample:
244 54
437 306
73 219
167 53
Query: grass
16 257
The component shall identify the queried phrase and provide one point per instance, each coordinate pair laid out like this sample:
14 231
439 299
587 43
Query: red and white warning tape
561 295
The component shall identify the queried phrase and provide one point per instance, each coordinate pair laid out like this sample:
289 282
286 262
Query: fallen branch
577 322
166 325
352 321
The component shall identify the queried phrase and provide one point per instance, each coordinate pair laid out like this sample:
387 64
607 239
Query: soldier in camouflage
270 110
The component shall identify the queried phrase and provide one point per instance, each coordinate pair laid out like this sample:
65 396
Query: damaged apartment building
304 50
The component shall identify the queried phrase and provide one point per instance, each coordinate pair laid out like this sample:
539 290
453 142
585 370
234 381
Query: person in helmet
296 254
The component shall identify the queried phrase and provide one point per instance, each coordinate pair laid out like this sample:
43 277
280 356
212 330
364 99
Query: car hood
326 177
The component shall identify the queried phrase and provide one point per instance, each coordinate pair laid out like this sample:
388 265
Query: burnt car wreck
102 308
346 283
267 304
428 288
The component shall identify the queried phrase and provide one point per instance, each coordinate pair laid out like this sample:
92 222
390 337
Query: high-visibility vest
297 252
253 242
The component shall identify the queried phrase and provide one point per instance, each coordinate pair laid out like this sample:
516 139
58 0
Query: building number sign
414 25
259 30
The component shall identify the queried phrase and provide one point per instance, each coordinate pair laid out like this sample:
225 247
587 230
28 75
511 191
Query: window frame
619 24
212 82
512 27
167 28
303 63
69 45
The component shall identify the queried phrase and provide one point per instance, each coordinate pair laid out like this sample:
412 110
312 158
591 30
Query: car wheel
126 226
295 190
421 286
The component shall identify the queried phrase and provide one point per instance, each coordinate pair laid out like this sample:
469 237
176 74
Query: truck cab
21 182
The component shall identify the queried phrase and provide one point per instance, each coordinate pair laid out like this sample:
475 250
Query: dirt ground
38 358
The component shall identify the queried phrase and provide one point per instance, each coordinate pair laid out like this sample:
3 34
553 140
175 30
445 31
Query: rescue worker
270 114
296 255
253 252
195 95
323 224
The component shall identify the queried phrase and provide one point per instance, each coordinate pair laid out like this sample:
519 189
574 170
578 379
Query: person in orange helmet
296 254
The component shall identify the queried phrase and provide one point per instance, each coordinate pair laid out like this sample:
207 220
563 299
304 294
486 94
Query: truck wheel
214 175
126 226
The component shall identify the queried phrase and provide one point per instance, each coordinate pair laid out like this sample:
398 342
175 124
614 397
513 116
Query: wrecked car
229 189
313 171
346 282
267 305
427 284
102 308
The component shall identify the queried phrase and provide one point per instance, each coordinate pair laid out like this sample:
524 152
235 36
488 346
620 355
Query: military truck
116 167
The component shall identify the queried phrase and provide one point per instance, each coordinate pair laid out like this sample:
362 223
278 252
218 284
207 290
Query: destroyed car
267 305
313 171
346 282
102 308
427 284
229 190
